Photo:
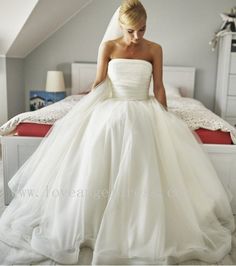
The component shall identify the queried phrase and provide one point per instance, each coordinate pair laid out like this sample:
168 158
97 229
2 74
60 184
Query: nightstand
225 100
39 99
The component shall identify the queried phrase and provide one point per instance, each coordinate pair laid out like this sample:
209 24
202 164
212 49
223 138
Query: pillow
171 91
88 88
83 89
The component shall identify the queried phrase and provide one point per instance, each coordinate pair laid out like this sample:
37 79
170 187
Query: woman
127 179
132 45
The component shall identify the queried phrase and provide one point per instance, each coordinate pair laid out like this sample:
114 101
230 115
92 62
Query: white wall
15 86
3 91
182 27
13 16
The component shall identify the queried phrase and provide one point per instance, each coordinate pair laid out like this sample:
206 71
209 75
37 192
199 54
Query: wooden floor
86 253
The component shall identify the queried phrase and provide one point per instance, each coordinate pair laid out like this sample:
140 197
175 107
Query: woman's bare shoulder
111 43
105 49
109 46
153 46
155 50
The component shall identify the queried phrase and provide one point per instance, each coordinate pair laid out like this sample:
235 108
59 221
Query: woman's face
134 34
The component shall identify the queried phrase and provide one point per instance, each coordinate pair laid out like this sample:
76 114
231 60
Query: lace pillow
171 91
84 90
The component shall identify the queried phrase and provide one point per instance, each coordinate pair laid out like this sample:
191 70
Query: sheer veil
81 111
113 30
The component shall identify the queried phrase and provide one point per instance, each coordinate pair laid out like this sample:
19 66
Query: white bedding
196 115
192 111
47 115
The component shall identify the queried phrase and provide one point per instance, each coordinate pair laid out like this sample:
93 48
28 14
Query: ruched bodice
130 78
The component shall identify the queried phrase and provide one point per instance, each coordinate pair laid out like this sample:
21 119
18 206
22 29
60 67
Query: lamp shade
55 81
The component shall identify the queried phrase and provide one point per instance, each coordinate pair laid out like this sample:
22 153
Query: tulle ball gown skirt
123 176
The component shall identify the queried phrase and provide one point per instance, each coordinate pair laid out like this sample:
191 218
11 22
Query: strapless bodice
130 78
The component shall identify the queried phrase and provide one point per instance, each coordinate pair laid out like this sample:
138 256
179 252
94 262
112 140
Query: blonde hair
131 12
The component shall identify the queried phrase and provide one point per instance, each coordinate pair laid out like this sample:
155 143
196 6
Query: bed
16 149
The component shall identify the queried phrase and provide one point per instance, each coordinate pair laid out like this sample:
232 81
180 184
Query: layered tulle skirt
124 177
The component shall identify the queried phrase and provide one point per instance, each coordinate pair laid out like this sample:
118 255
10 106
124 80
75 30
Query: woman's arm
158 87
102 63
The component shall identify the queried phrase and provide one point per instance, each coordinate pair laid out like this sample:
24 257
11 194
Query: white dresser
225 100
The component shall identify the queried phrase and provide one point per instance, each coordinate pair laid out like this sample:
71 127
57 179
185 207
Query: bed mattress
205 135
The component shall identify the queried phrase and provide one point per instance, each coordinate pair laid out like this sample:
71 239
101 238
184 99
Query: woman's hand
160 96
158 87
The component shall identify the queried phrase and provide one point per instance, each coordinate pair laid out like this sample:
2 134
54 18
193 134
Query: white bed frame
16 150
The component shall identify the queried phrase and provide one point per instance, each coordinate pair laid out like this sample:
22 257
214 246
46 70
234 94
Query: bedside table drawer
232 63
231 121
232 85
231 106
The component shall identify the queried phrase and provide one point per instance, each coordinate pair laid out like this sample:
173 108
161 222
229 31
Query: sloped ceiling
38 22
13 15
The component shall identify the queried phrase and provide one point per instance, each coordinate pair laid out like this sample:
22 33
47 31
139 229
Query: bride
119 173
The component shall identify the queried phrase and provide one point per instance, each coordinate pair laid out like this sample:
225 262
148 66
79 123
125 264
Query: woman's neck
130 45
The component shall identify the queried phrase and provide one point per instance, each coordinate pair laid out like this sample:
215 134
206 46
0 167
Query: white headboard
83 76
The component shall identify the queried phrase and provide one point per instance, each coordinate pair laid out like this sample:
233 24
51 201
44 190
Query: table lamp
55 81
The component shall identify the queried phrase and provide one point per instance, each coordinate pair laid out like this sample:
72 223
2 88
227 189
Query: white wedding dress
123 176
